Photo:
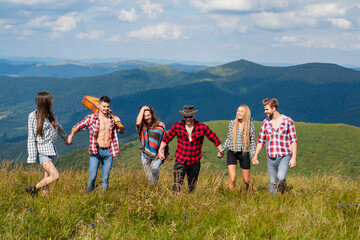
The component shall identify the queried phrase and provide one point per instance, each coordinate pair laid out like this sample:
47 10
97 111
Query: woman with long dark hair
240 143
151 131
42 130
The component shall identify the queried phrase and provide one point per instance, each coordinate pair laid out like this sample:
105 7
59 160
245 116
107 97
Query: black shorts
244 160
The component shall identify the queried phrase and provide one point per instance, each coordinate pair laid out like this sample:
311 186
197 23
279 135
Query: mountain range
71 69
313 92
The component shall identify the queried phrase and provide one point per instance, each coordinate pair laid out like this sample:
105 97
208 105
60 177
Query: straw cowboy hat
188 111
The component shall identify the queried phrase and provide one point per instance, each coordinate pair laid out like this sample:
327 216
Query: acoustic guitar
92 104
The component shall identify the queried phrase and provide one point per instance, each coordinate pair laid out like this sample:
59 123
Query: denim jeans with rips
277 169
104 157
151 167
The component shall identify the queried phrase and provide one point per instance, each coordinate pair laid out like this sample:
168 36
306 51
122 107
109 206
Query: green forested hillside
322 149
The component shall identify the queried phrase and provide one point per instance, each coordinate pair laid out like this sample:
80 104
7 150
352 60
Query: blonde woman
240 143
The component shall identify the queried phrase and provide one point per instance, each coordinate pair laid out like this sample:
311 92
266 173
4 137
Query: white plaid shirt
228 144
44 145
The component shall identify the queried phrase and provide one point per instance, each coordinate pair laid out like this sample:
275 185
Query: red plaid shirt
92 123
278 141
190 152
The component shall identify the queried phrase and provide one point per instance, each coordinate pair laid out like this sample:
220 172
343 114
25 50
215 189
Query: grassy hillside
322 149
319 207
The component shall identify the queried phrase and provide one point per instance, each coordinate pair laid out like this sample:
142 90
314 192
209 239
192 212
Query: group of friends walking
277 131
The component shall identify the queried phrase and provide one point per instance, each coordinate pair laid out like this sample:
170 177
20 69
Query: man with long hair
42 130
190 136
103 144
281 145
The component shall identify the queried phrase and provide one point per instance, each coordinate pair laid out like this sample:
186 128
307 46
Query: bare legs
232 176
50 174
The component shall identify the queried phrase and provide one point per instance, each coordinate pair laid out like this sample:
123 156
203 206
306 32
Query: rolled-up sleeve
83 124
212 136
170 135
262 134
252 139
228 138
292 132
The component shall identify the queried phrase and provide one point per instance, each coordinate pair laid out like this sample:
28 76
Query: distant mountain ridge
71 69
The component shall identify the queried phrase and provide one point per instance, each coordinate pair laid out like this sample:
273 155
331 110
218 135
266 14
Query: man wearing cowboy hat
190 136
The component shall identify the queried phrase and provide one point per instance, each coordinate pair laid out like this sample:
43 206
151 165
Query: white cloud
39 22
233 46
323 10
24 13
90 35
127 16
278 21
107 2
232 23
291 40
29 2
6 24
239 5
65 23
346 41
61 24
166 31
115 38
340 22
152 10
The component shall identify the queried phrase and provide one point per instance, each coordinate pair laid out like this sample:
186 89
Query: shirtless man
281 145
104 143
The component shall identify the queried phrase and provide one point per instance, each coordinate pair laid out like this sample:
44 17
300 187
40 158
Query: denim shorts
43 158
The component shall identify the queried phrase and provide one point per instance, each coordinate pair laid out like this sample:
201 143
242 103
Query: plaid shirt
44 145
190 152
92 123
229 144
278 141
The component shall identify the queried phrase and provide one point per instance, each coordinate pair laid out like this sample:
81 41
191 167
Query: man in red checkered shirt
281 145
103 145
190 136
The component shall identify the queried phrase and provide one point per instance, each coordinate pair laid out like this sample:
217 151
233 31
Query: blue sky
263 31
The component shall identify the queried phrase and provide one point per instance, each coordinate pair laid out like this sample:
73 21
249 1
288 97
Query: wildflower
30 208
93 224
185 216
356 205
342 206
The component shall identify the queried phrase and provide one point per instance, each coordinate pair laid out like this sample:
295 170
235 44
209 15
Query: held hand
69 140
66 142
255 161
161 155
220 155
117 119
292 163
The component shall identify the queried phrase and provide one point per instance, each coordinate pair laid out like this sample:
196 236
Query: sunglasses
188 116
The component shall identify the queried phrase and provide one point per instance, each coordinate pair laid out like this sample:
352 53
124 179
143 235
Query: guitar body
92 104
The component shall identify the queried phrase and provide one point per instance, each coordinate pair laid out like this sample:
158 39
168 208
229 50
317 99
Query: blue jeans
277 169
151 167
104 157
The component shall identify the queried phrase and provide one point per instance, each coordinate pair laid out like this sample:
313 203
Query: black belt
104 148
